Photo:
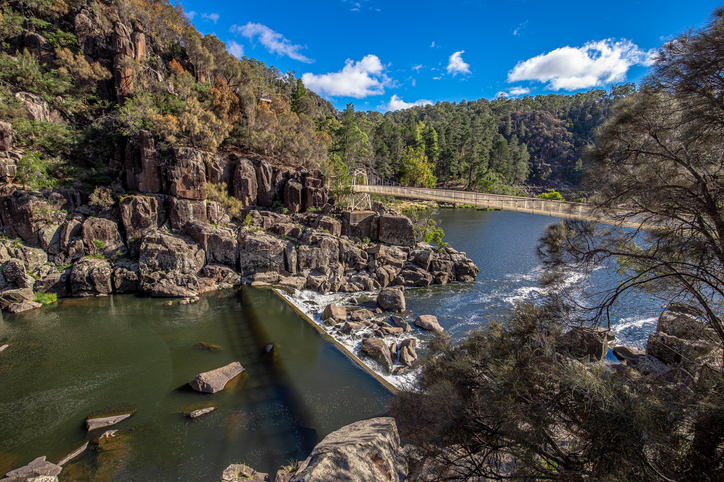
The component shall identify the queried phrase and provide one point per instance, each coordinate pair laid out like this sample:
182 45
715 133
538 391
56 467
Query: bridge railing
496 201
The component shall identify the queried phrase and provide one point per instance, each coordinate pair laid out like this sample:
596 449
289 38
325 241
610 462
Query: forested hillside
81 78
491 145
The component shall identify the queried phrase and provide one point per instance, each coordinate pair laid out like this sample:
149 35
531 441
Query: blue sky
387 55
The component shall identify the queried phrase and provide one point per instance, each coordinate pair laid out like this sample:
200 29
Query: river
503 245
82 355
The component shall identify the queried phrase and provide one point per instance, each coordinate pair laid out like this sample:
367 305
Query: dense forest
494 146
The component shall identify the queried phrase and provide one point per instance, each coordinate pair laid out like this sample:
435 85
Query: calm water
67 361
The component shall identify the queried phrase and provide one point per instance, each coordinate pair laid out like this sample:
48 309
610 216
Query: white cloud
437 78
190 15
396 103
433 44
356 79
593 65
235 48
273 41
456 65
520 27
519 91
417 68
214 17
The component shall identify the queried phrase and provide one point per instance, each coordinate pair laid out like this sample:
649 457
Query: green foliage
248 220
35 172
366 240
511 400
426 229
415 169
99 244
323 230
45 298
220 194
551 194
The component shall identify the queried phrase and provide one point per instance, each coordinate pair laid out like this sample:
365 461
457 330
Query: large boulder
408 355
187 175
184 211
245 185
101 236
586 341
413 275
442 271
378 351
220 244
13 296
397 230
125 278
139 215
681 321
168 265
259 252
38 468
323 255
428 323
215 380
690 354
91 277
57 283
365 451
391 299
334 313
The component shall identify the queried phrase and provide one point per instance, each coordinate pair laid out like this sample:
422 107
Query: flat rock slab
37 468
73 454
215 380
96 423
201 411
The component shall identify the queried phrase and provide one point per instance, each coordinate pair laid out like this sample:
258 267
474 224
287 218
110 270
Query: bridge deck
545 207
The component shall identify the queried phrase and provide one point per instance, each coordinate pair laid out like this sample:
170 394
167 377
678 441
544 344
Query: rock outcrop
365 451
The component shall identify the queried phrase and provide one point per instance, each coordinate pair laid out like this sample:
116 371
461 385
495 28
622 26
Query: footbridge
545 207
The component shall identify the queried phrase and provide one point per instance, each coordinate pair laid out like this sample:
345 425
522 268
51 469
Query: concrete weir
341 347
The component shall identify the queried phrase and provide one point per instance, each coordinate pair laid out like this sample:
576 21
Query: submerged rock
202 411
37 468
215 380
96 423
365 451
73 454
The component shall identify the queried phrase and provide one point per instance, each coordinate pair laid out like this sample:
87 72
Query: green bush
34 171
551 194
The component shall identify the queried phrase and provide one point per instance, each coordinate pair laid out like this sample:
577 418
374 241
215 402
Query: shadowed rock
365 451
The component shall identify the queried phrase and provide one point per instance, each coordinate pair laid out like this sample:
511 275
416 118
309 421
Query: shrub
248 221
220 194
551 194
35 172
